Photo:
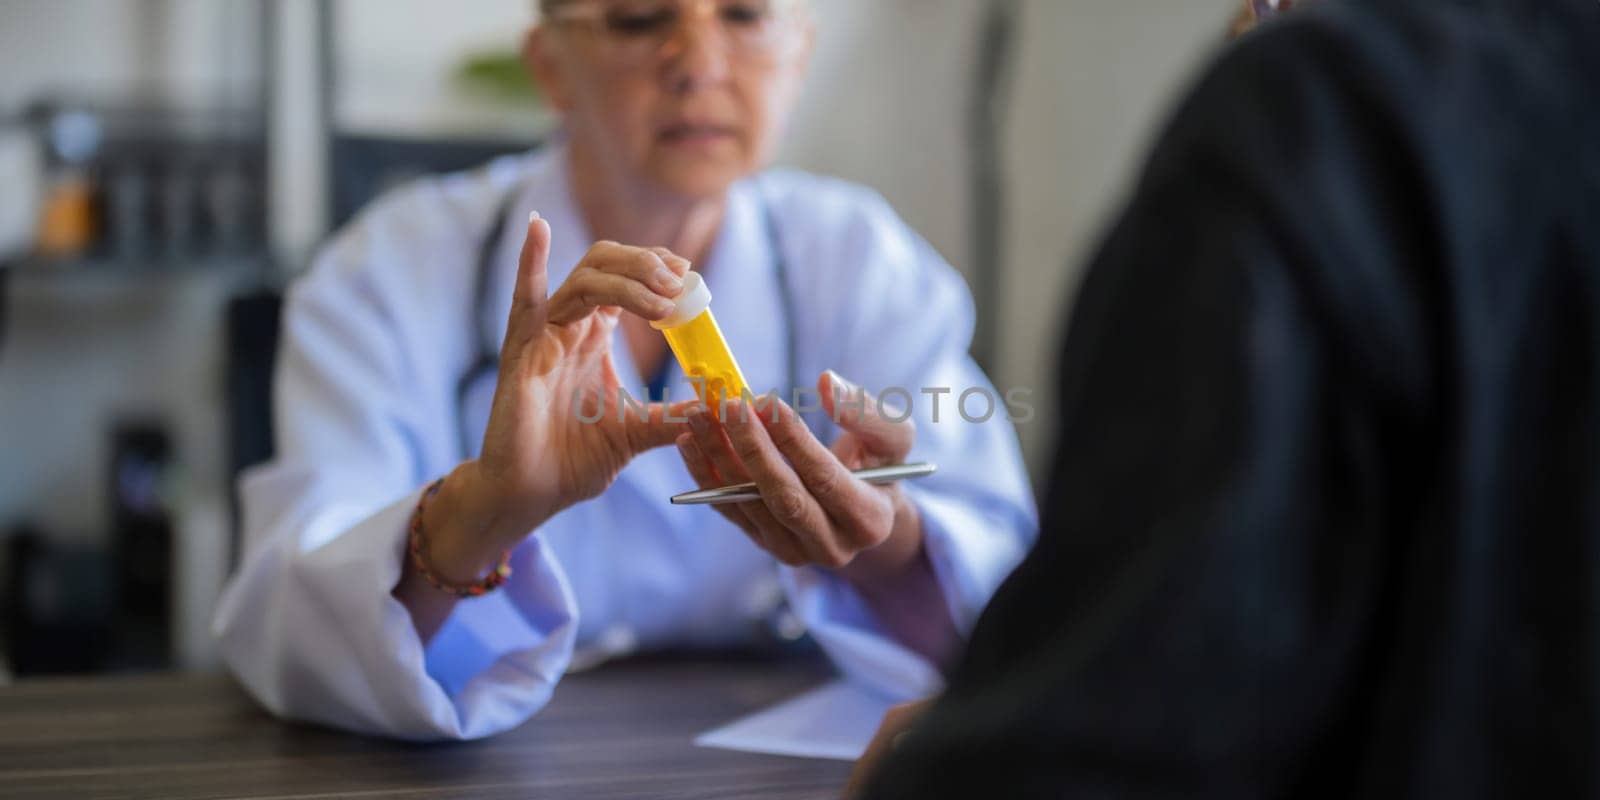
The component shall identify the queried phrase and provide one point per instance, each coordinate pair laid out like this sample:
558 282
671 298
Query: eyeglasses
638 31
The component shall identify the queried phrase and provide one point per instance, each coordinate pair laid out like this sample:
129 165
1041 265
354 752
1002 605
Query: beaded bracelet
482 586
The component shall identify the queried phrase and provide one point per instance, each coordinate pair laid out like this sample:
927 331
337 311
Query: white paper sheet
836 720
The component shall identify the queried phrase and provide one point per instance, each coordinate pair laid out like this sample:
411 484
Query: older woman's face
685 95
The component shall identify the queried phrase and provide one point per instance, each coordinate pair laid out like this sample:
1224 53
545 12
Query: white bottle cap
694 299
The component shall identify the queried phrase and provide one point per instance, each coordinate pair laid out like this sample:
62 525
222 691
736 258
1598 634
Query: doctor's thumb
882 427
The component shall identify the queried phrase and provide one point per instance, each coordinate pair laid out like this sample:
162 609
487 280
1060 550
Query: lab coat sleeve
905 339
308 623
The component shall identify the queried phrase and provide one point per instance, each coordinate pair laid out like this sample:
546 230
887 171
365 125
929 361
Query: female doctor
417 468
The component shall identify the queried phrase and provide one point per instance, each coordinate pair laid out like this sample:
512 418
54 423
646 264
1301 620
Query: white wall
886 103
1095 79
178 49
395 61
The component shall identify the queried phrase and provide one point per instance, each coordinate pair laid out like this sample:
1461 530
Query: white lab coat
375 338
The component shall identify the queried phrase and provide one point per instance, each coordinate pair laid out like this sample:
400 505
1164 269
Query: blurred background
167 166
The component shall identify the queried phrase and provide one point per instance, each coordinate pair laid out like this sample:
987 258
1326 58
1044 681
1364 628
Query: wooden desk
621 731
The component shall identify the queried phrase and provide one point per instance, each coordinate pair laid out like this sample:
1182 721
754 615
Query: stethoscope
487 351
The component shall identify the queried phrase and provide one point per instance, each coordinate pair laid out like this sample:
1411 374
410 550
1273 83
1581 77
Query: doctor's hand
544 449
812 511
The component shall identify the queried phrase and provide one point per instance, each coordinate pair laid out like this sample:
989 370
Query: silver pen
745 492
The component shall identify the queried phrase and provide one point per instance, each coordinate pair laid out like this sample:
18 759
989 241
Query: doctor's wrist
468 529
900 553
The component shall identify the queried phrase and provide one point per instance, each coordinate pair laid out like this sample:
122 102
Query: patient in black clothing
1325 518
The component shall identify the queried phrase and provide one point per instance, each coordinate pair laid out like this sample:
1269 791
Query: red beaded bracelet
482 586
